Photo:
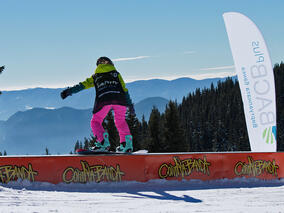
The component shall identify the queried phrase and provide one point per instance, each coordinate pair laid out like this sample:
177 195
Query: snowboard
92 152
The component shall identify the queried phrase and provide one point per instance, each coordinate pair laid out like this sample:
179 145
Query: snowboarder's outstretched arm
88 83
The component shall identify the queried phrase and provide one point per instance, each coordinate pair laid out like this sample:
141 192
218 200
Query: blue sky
56 43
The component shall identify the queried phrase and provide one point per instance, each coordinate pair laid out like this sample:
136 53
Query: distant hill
145 106
30 132
14 101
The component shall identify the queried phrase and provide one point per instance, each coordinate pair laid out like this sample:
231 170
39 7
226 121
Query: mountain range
21 100
39 119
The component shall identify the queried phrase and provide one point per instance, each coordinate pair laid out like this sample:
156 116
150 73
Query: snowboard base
91 152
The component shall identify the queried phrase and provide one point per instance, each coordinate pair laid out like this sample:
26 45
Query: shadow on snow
154 189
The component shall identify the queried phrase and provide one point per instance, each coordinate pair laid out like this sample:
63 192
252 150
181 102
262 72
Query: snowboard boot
126 146
102 146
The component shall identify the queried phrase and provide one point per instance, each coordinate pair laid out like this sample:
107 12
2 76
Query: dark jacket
109 85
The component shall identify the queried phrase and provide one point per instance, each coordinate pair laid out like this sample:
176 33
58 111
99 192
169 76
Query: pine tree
144 134
86 143
77 146
47 151
1 70
174 135
155 132
134 127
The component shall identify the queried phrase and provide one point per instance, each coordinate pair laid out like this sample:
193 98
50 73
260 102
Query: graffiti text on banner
12 173
94 173
256 168
182 168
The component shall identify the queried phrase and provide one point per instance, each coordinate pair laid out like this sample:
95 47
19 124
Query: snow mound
151 185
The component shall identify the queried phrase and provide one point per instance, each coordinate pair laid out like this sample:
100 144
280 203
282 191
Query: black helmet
104 60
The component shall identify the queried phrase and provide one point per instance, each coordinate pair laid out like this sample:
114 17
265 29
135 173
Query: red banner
144 167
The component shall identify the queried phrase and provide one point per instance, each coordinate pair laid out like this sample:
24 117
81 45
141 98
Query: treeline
208 120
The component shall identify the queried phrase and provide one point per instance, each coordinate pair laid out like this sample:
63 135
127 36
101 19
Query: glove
65 93
132 110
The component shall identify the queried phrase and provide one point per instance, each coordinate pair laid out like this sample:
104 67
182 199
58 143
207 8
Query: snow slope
238 195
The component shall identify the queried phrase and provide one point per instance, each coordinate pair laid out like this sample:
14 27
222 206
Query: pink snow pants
119 120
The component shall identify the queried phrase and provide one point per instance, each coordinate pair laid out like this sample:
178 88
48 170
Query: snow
237 195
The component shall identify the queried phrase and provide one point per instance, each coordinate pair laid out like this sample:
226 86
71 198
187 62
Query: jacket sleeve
128 99
122 83
88 83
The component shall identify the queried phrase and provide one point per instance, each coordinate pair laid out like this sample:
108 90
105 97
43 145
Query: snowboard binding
126 146
102 146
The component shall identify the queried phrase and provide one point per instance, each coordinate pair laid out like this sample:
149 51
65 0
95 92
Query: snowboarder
111 93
